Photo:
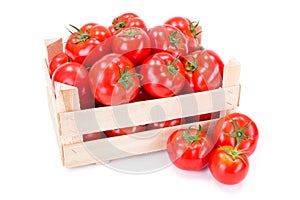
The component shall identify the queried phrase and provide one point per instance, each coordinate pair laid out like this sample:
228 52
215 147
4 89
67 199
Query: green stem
193 26
82 37
171 67
238 133
191 66
120 24
191 138
125 78
174 40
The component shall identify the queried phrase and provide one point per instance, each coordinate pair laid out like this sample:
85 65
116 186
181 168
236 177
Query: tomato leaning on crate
163 75
192 31
57 61
83 41
189 149
169 39
134 43
75 74
228 165
238 130
203 71
114 80
126 20
125 131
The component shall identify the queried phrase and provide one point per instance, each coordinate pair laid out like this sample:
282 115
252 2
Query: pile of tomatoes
127 61
234 138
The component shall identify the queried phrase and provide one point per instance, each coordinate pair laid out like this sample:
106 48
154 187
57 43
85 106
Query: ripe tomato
91 136
113 80
228 165
168 123
163 75
203 71
56 61
189 149
133 43
191 30
237 130
168 38
142 96
126 20
75 74
125 131
82 42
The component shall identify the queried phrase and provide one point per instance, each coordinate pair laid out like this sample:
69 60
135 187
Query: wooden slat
139 113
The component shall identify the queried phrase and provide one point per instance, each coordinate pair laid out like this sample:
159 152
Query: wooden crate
70 123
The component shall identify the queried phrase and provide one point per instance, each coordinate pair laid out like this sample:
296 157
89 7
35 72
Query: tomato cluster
234 138
127 61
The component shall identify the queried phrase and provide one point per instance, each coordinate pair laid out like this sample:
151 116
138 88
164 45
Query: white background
262 35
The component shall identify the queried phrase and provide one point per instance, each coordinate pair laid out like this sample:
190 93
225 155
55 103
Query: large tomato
113 80
189 149
228 165
125 131
133 43
83 41
203 71
192 31
163 75
168 38
237 130
75 74
126 20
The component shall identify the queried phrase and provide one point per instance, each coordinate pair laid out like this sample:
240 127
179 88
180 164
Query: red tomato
125 131
237 130
163 75
133 43
192 31
189 149
228 166
91 136
82 42
168 123
203 71
56 61
126 20
142 96
113 80
203 117
75 74
168 38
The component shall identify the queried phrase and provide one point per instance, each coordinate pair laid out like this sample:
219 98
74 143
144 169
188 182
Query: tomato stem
193 26
125 78
191 138
191 66
171 67
130 33
238 133
81 36
234 153
173 40
120 24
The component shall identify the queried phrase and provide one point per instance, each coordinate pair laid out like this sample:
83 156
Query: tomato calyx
191 66
234 153
171 67
125 78
238 133
193 27
130 33
81 36
174 40
191 138
120 24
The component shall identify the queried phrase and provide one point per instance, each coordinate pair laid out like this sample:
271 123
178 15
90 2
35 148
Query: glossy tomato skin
75 74
83 41
225 168
134 43
126 20
225 126
167 38
203 71
125 131
57 61
108 84
191 30
186 155
163 75
168 123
